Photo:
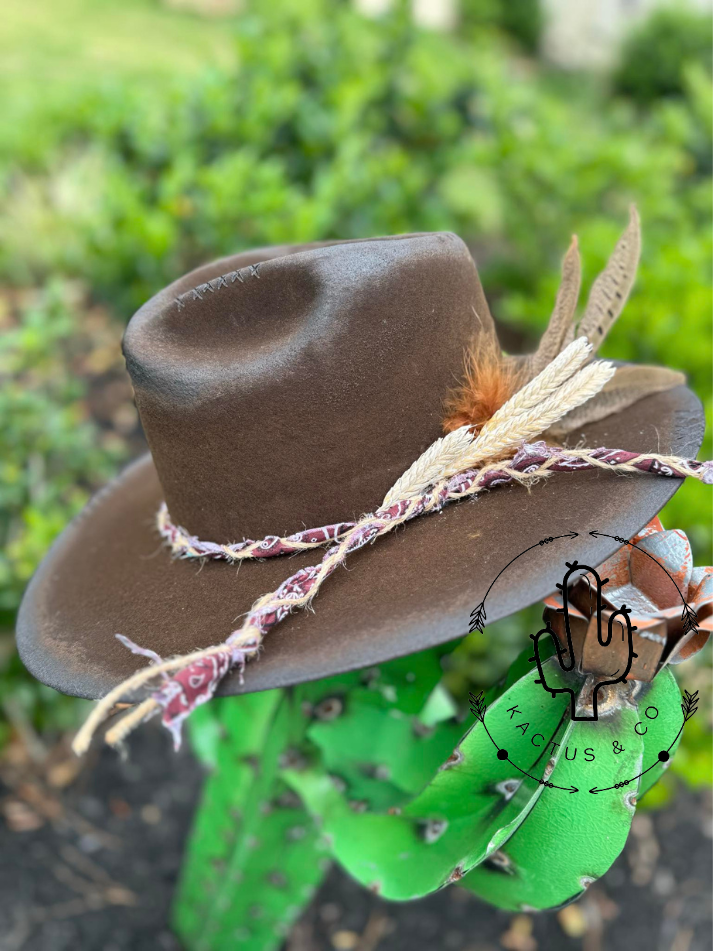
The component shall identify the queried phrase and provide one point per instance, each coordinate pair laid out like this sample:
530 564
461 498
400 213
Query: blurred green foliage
51 452
522 20
333 125
657 55
52 456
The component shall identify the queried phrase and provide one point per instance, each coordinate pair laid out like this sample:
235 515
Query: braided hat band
455 467
534 459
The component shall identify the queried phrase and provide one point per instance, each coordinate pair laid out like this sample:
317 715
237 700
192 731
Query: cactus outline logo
565 656
567 660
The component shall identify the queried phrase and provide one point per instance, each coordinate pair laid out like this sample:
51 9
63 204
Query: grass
47 46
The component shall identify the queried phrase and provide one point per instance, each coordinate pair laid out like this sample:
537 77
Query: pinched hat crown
292 388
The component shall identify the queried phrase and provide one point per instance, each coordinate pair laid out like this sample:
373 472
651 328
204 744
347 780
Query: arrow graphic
477 615
543 782
688 708
688 615
478 709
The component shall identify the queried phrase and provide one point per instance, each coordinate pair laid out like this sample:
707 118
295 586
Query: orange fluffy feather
487 384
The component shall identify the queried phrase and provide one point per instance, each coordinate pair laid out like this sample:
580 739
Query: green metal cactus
471 804
255 856
662 694
377 770
568 841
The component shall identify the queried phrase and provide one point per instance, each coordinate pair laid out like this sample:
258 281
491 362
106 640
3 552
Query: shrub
520 19
655 56
333 126
52 455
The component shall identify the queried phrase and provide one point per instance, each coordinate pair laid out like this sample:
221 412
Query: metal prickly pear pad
602 658
525 802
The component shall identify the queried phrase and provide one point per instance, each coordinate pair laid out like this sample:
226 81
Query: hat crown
290 387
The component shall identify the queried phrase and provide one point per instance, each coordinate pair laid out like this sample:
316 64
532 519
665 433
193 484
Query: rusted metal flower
671 605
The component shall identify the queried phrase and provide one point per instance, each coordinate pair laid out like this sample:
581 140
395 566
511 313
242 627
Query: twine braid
532 463
184 545
453 468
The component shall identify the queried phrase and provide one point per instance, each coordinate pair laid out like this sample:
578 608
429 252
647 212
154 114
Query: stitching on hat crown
253 270
200 291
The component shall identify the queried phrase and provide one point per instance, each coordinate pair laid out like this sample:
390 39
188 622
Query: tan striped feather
628 385
560 330
611 289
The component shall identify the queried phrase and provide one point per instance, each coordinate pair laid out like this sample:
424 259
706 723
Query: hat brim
108 572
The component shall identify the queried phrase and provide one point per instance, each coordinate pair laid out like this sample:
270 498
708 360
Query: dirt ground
88 862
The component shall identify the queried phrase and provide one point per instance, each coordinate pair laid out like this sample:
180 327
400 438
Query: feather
488 383
629 384
510 426
611 289
560 330
491 378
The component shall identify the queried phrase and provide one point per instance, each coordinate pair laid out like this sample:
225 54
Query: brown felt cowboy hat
287 388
